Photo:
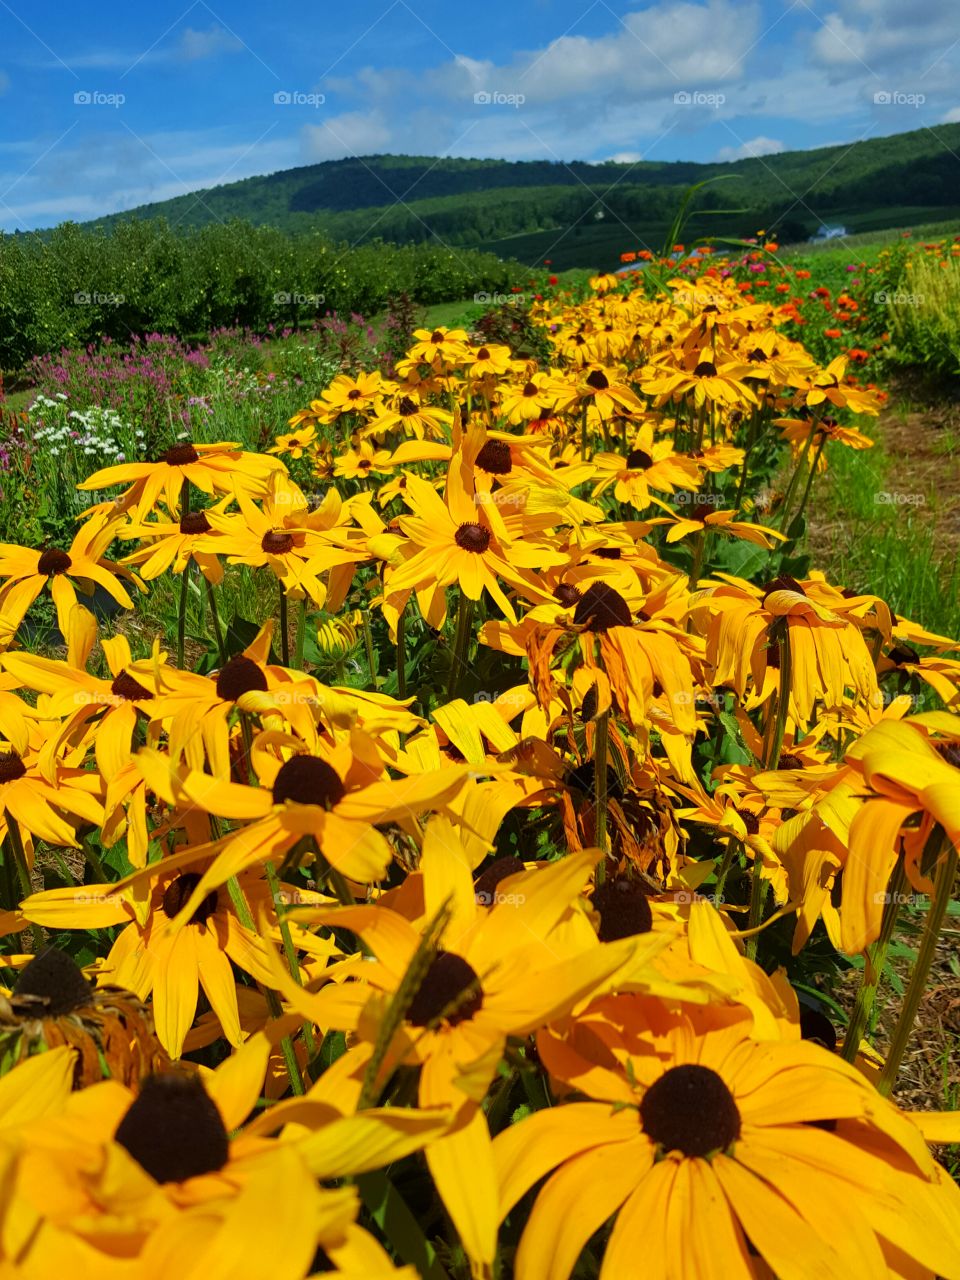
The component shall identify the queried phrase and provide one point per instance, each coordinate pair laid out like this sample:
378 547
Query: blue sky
103 107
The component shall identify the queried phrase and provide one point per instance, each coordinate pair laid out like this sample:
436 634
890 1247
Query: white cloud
354 133
952 116
755 147
625 157
196 45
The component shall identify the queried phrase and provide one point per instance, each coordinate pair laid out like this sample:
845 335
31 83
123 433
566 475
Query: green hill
582 213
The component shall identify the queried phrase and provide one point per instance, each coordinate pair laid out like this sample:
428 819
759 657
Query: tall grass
924 314
890 549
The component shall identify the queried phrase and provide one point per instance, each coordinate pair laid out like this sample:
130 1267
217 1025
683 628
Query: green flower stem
17 856
791 487
215 619
301 635
943 889
289 950
284 629
751 442
461 646
734 846
368 646
184 582
759 886
600 744
96 865
873 967
182 613
245 916
402 654
699 547
810 479
335 879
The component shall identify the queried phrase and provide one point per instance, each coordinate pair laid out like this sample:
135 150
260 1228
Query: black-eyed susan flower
213 468
701 1143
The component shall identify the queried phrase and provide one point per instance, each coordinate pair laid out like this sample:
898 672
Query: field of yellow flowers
473 915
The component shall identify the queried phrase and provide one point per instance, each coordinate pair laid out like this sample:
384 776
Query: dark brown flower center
173 1129
566 594
450 990
757 356
705 369
624 910
531 389
177 895
901 654
949 751
485 886
783 582
277 542
637 458
436 337
600 608
354 393
787 761
609 553
238 676
407 407
53 561
128 688
194 522
495 458
472 537
598 380
816 1026
483 354
51 985
308 780
690 1109
11 767
181 455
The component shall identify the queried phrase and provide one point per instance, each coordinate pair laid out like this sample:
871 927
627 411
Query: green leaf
398 1225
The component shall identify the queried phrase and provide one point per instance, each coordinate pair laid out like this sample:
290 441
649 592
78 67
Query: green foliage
76 285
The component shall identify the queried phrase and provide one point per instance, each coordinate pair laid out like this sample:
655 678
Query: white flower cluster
96 432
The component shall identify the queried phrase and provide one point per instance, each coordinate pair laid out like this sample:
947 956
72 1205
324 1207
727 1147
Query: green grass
874 546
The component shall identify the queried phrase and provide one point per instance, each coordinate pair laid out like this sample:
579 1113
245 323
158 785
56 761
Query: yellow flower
706 1145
